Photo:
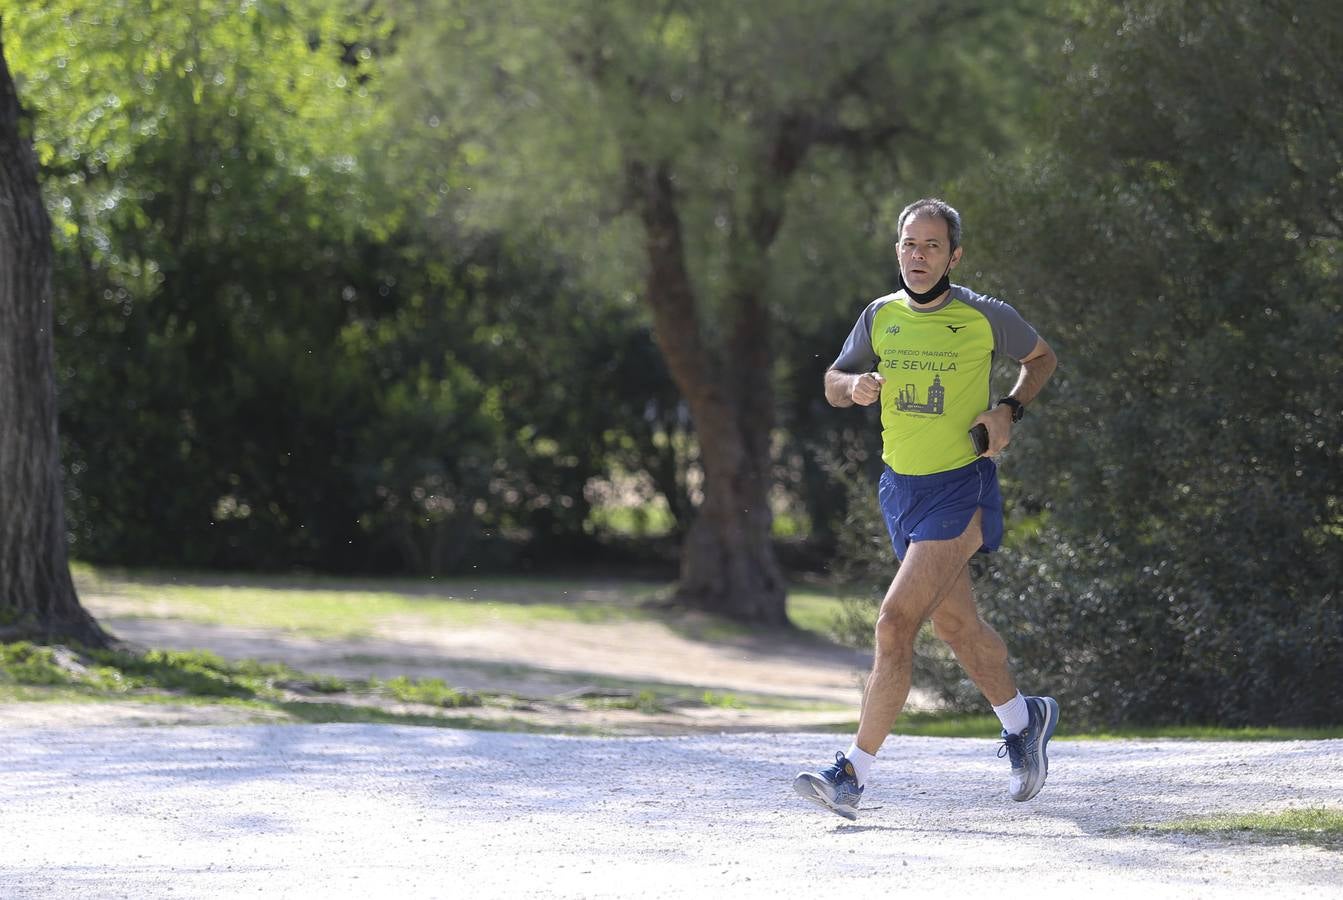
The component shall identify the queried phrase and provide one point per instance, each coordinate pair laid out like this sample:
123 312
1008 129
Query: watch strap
1018 408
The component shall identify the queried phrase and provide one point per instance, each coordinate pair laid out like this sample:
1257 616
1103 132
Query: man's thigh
930 569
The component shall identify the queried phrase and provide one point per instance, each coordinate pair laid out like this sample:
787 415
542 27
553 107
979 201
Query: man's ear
956 256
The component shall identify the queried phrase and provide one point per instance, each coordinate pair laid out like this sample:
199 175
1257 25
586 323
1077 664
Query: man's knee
965 633
954 631
971 638
896 630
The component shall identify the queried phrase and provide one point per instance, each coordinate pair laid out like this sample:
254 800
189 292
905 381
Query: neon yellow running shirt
937 364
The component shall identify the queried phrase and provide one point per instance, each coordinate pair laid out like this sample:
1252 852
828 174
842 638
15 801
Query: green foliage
785 127
1181 475
194 184
271 355
1178 244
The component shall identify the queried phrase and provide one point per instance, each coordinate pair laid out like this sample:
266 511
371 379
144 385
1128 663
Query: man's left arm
1036 367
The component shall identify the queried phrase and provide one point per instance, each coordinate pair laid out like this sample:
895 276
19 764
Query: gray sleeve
1012 335
858 356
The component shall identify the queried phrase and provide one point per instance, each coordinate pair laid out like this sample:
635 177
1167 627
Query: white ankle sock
1014 714
861 761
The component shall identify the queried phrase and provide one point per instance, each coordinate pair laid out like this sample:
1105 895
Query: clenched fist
866 389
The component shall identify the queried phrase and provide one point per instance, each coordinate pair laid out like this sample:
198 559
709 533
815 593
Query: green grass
326 607
430 691
274 692
724 701
1319 826
645 701
956 725
31 673
346 608
1209 733
814 610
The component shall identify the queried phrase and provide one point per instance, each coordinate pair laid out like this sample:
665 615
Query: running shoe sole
808 786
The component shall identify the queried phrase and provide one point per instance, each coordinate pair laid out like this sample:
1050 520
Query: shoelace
1014 748
836 772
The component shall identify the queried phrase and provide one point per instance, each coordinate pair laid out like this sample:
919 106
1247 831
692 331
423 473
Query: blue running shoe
1027 751
834 787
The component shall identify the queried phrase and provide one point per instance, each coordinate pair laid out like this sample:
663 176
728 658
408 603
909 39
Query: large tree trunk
37 596
728 564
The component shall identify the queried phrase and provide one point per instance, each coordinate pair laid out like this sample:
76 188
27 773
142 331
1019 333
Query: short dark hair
932 206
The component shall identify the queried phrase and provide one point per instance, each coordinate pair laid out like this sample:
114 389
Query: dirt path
364 810
368 811
564 674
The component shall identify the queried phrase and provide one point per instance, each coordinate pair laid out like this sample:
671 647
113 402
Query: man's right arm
855 386
849 388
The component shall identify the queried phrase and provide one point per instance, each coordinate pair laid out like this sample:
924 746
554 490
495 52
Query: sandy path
359 811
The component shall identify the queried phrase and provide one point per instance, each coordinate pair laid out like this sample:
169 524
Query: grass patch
723 701
644 701
31 673
430 691
958 725
330 607
1209 733
814 611
942 725
350 608
1318 826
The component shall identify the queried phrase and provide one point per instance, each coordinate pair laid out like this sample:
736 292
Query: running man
925 353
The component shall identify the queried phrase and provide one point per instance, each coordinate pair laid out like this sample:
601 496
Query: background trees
1179 240
419 286
37 596
683 134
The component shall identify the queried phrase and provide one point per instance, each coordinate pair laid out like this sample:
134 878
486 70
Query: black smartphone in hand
979 436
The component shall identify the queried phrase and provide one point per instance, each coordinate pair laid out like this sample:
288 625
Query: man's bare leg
930 568
983 655
978 648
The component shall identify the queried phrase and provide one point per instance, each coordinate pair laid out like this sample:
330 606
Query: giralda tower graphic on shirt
908 398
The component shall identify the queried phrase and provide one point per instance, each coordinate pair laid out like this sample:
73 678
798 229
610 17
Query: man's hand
866 389
998 421
847 388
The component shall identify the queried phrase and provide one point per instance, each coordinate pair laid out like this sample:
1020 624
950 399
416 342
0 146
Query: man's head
929 247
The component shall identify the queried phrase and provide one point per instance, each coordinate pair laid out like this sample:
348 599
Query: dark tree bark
37 595
728 565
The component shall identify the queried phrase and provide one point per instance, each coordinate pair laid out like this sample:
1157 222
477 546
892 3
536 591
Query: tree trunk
37 595
728 564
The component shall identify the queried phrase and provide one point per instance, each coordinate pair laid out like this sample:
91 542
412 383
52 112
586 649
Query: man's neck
936 301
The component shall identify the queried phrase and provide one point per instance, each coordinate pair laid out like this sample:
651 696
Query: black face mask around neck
943 284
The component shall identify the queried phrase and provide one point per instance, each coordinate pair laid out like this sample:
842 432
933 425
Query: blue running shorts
938 507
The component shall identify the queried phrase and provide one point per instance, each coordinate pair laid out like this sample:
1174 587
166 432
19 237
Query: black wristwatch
1018 408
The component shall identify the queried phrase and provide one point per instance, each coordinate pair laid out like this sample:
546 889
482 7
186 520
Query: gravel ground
365 810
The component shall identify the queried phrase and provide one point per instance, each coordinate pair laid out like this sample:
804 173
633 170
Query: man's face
925 251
